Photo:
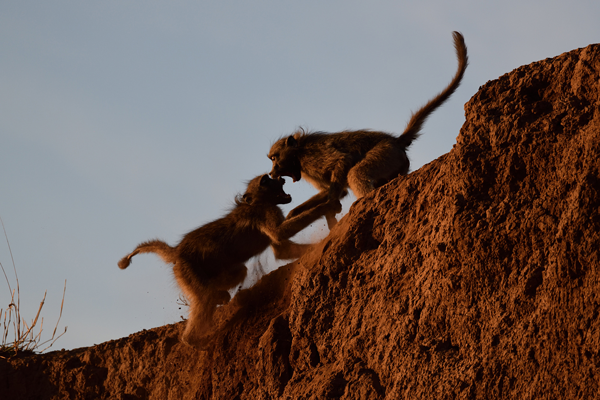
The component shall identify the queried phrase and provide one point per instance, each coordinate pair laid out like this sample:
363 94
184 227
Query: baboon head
263 189
284 154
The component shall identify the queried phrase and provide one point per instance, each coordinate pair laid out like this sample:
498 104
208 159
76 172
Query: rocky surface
476 276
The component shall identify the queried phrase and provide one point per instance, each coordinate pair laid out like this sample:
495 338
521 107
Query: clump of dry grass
25 338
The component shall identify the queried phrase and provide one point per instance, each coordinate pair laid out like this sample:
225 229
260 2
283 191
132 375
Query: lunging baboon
362 160
209 261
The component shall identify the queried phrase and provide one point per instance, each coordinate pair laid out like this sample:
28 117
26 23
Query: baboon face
266 190
284 154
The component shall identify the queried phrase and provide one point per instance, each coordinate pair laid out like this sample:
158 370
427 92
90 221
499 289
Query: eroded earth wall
476 276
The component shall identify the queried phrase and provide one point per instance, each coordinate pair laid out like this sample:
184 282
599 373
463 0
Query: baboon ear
291 141
247 198
264 180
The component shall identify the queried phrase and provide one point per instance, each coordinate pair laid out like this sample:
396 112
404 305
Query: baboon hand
334 206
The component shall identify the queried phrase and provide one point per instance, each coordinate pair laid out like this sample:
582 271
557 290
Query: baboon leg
381 164
204 298
288 250
230 277
199 319
201 312
201 308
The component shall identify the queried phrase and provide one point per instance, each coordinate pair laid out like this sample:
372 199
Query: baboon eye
273 157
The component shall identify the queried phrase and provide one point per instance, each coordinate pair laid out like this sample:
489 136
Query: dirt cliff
476 276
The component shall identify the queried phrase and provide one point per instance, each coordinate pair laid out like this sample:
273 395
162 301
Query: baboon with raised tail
209 260
360 160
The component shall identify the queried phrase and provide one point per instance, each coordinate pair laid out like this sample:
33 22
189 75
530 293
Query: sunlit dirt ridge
476 276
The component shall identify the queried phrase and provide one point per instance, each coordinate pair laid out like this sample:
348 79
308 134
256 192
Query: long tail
166 252
413 128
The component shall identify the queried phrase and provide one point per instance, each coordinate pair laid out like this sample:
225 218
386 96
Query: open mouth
284 198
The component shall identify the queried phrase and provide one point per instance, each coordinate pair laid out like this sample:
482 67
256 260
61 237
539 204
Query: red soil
477 276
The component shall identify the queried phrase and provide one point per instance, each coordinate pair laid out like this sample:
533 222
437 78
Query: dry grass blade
53 339
24 340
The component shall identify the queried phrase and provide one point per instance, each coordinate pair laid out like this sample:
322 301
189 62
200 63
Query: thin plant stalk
25 338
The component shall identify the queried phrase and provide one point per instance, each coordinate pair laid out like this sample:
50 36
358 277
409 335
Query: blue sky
122 121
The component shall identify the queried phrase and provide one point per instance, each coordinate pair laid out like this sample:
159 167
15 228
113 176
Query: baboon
209 260
362 160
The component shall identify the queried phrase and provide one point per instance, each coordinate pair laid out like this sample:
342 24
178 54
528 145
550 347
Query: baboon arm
288 250
339 176
295 224
314 201
289 227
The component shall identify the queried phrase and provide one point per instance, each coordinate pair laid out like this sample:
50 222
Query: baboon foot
197 335
331 221
198 343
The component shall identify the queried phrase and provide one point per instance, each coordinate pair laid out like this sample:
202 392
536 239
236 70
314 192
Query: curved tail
413 128
166 252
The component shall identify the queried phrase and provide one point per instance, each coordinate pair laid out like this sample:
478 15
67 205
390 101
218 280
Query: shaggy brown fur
209 261
361 160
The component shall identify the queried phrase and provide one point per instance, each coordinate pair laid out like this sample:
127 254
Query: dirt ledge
476 276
